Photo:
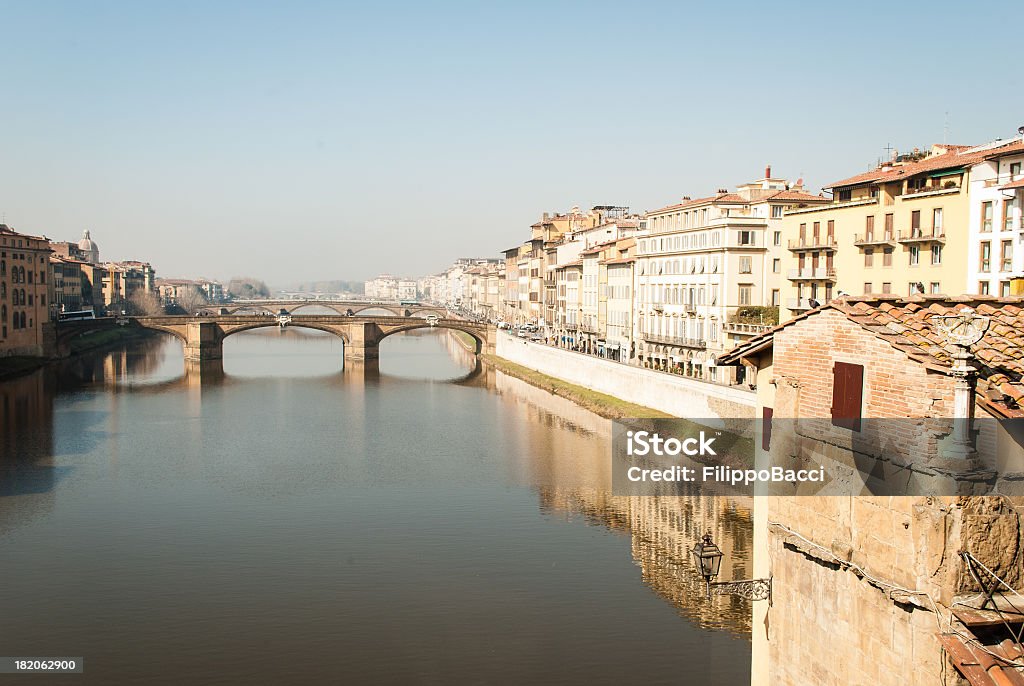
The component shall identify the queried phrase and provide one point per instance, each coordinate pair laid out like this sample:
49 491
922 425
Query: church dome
89 247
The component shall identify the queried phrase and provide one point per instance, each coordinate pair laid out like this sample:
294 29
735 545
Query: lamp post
708 558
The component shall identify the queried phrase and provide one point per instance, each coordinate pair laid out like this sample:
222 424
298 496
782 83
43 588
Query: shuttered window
847 395
766 428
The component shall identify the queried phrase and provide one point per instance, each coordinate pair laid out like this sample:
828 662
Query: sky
308 141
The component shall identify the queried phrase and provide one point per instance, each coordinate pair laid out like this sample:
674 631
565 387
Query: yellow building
902 228
24 283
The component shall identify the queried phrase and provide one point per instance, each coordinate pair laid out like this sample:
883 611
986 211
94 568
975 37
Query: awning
948 172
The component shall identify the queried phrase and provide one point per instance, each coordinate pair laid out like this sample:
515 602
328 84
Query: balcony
919 236
809 274
812 243
870 240
747 329
799 303
676 340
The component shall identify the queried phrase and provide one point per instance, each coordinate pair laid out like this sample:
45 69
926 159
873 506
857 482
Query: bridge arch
478 337
229 330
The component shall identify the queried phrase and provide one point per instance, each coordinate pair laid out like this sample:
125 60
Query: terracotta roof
620 260
907 325
727 198
793 196
955 156
1019 183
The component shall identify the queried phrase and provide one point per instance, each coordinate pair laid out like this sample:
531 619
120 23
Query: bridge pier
203 341
363 343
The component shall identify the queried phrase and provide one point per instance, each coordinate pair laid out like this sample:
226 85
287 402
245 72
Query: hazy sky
301 141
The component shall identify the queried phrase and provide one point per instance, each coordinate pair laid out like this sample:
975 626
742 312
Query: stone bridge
345 307
203 337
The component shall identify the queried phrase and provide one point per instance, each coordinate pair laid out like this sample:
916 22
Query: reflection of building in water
663 530
572 472
26 446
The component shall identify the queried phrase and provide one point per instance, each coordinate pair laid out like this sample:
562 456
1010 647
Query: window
1014 170
937 221
831 230
1004 288
745 265
915 255
777 238
745 292
886 287
915 223
936 253
985 263
766 428
817 233
887 257
934 287
776 211
888 226
847 395
1006 263
745 237
845 194
776 298
869 227
867 288
986 216
776 265
983 287
869 257
1008 207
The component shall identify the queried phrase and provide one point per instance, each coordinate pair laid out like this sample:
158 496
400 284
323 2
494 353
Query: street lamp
708 558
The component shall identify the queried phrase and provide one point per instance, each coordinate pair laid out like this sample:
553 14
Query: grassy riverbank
604 405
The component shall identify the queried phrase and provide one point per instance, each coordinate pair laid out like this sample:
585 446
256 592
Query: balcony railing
812 243
870 240
920 236
753 329
809 274
800 303
676 340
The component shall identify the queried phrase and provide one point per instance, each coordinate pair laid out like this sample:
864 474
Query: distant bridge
345 307
203 336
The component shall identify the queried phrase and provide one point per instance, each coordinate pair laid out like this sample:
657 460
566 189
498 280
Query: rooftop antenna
888 151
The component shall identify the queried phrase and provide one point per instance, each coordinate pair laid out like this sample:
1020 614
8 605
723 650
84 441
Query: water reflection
377 527
662 530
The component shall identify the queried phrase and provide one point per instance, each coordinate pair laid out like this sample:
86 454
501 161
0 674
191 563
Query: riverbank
12 367
600 404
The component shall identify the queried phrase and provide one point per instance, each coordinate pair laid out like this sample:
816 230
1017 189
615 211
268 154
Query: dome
89 248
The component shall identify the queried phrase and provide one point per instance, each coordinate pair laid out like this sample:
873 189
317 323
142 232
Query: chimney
545 218
768 171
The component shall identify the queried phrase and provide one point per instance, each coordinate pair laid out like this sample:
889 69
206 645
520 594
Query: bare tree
191 299
145 303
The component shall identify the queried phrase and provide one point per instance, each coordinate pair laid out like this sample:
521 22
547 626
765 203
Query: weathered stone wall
677 396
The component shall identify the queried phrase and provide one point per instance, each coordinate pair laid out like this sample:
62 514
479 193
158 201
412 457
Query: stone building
889 580
698 262
24 285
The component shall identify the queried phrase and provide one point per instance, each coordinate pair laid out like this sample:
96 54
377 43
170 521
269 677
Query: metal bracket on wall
751 589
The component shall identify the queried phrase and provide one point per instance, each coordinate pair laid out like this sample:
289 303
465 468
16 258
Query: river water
290 522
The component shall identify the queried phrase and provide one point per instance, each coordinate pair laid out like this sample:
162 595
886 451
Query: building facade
25 278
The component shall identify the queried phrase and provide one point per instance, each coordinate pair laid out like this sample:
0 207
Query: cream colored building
698 263
996 249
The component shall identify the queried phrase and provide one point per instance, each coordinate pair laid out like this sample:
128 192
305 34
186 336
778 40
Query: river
291 522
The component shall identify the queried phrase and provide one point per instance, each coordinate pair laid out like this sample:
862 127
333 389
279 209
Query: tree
145 303
191 299
247 288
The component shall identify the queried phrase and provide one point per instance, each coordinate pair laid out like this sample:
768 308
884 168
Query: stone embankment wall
678 396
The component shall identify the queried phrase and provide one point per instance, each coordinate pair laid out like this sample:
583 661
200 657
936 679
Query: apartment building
996 249
701 262
903 228
25 277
